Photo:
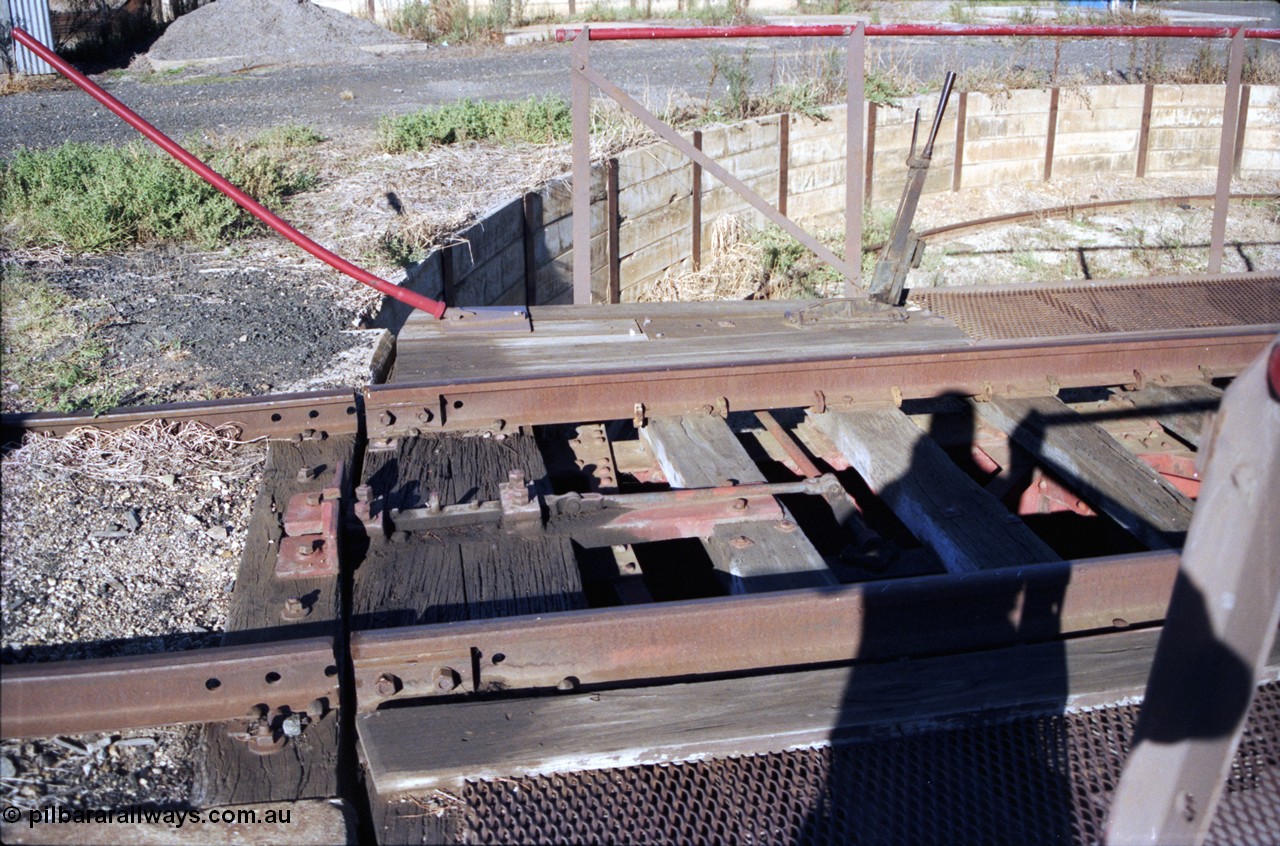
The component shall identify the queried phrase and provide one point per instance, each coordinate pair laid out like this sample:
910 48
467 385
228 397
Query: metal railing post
581 116
1226 152
853 188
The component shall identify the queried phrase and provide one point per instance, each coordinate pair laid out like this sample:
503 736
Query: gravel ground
233 35
117 544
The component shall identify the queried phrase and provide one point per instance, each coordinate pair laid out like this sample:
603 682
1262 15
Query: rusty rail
790 629
203 685
276 416
991 369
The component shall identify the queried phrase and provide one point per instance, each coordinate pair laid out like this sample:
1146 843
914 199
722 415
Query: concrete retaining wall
523 252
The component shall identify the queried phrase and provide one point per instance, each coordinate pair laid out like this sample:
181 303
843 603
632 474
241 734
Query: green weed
537 120
96 198
291 136
52 360
963 12
453 22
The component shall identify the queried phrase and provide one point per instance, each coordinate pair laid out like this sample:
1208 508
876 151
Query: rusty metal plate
1083 309
1029 779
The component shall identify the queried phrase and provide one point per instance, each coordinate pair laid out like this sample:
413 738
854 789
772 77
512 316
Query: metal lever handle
937 118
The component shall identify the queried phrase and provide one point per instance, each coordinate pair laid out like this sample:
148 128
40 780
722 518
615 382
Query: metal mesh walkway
1042 779
1086 309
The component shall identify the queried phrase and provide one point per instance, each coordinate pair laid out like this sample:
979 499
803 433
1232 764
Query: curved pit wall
521 252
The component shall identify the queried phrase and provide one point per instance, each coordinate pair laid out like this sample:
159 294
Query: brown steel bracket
1220 627
313 529
487 319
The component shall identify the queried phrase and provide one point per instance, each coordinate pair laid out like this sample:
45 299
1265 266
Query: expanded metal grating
1044 779
1085 309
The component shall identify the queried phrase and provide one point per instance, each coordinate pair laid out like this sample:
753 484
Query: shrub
95 198
536 120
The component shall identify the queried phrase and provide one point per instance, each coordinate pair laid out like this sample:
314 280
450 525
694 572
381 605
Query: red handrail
164 142
637 33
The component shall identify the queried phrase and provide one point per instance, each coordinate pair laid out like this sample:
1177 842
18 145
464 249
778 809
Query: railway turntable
753 572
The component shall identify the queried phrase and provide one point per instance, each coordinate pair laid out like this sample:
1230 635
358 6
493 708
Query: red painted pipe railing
249 204
637 33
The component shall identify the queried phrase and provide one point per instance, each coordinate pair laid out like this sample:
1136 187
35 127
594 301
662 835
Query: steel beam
682 640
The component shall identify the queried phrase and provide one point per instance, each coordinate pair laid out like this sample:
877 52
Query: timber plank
423 579
1096 466
596 341
420 579
1181 409
438 746
227 773
967 527
701 451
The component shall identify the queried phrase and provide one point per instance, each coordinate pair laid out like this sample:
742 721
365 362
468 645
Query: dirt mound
234 34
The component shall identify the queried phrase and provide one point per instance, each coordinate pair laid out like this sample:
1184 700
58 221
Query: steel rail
764 632
275 416
136 691
1003 368
641 33
956 230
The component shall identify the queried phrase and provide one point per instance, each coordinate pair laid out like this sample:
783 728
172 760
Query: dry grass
440 191
732 270
21 83
148 452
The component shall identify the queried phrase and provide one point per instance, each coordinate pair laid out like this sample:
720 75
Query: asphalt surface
346 100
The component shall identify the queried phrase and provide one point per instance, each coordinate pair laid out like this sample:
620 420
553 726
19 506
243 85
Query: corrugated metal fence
33 16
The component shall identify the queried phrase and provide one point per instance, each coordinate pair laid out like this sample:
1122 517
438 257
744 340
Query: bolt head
446 679
386 418
386 685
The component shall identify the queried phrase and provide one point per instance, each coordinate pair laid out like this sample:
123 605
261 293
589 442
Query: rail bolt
387 685
386 418
294 609
446 679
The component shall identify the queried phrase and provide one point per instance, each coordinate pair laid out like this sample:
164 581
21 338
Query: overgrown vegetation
53 358
95 198
791 270
454 22
535 120
800 86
